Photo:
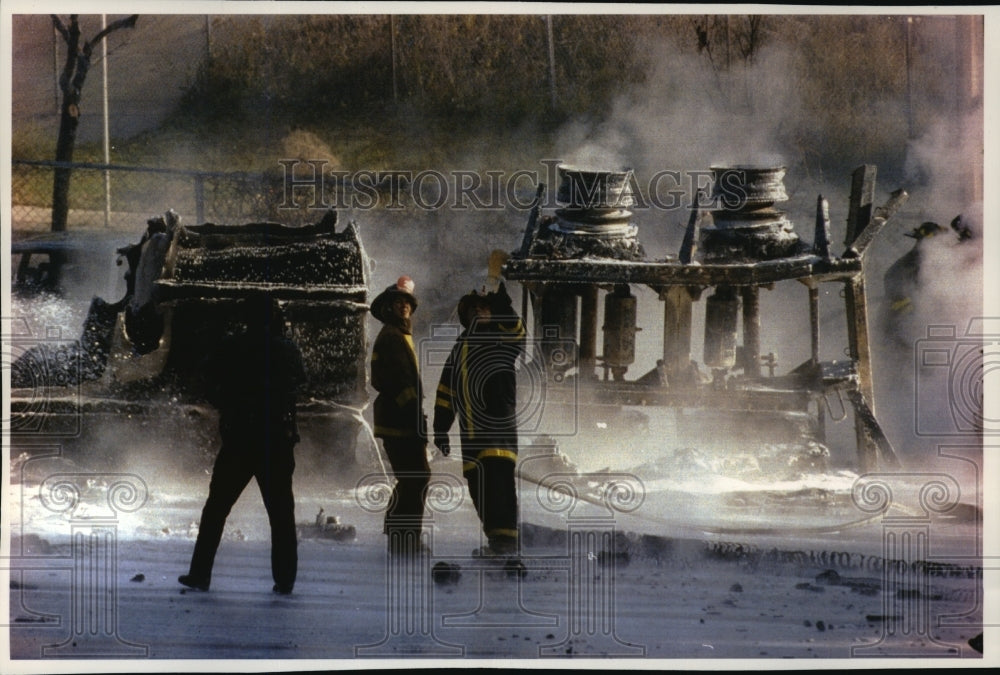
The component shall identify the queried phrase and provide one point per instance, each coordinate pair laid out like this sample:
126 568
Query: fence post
107 138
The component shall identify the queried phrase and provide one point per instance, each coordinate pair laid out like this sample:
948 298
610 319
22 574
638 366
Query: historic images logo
310 184
952 371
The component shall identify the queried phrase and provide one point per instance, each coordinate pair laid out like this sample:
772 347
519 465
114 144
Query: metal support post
676 332
751 331
588 333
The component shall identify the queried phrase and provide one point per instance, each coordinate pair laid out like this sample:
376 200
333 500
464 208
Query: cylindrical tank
596 202
741 188
619 328
721 313
557 328
595 189
745 224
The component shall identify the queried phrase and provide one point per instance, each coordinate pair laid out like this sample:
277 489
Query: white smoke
688 117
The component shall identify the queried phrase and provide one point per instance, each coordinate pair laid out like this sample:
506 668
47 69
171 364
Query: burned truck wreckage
729 253
135 369
134 376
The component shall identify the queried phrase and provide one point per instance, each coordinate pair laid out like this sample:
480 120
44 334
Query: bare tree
71 80
728 41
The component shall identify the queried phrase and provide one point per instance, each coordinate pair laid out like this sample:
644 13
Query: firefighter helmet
926 229
963 231
467 306
382 304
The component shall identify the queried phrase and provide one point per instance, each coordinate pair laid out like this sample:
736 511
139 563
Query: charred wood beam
821 240
630 393
660 274
877 451
690 243
857 333
827 277
860 352
311 309
350 298
859 211
814 322
191 235
878 221
530 230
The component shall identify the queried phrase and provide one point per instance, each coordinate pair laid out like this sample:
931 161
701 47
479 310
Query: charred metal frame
679 283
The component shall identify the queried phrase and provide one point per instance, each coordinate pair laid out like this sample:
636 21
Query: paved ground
112 592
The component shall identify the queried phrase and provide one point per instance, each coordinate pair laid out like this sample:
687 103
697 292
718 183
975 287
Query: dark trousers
234 467
492 488
409 466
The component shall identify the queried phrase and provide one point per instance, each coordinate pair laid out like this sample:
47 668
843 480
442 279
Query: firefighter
478 386
901 278
253 380
398 411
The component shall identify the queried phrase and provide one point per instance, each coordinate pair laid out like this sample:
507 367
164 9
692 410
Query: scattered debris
806 586
515 568
327 527
830 577
616 557
857 585
445 573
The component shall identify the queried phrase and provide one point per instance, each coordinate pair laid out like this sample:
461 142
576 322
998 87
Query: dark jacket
901 281
478 385
396 377
254 382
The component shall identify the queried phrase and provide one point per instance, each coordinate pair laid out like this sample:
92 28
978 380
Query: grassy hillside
820 93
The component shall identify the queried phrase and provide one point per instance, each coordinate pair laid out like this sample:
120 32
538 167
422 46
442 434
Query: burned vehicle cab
184 286
60 263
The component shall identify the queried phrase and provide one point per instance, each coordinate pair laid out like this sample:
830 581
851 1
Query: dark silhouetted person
902 277
904 280
479 386
398 414
253 380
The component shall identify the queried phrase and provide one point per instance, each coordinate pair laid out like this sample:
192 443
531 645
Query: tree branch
127 22
58 25
72 37
82 68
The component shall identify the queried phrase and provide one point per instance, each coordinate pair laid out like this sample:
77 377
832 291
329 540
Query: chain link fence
125 196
